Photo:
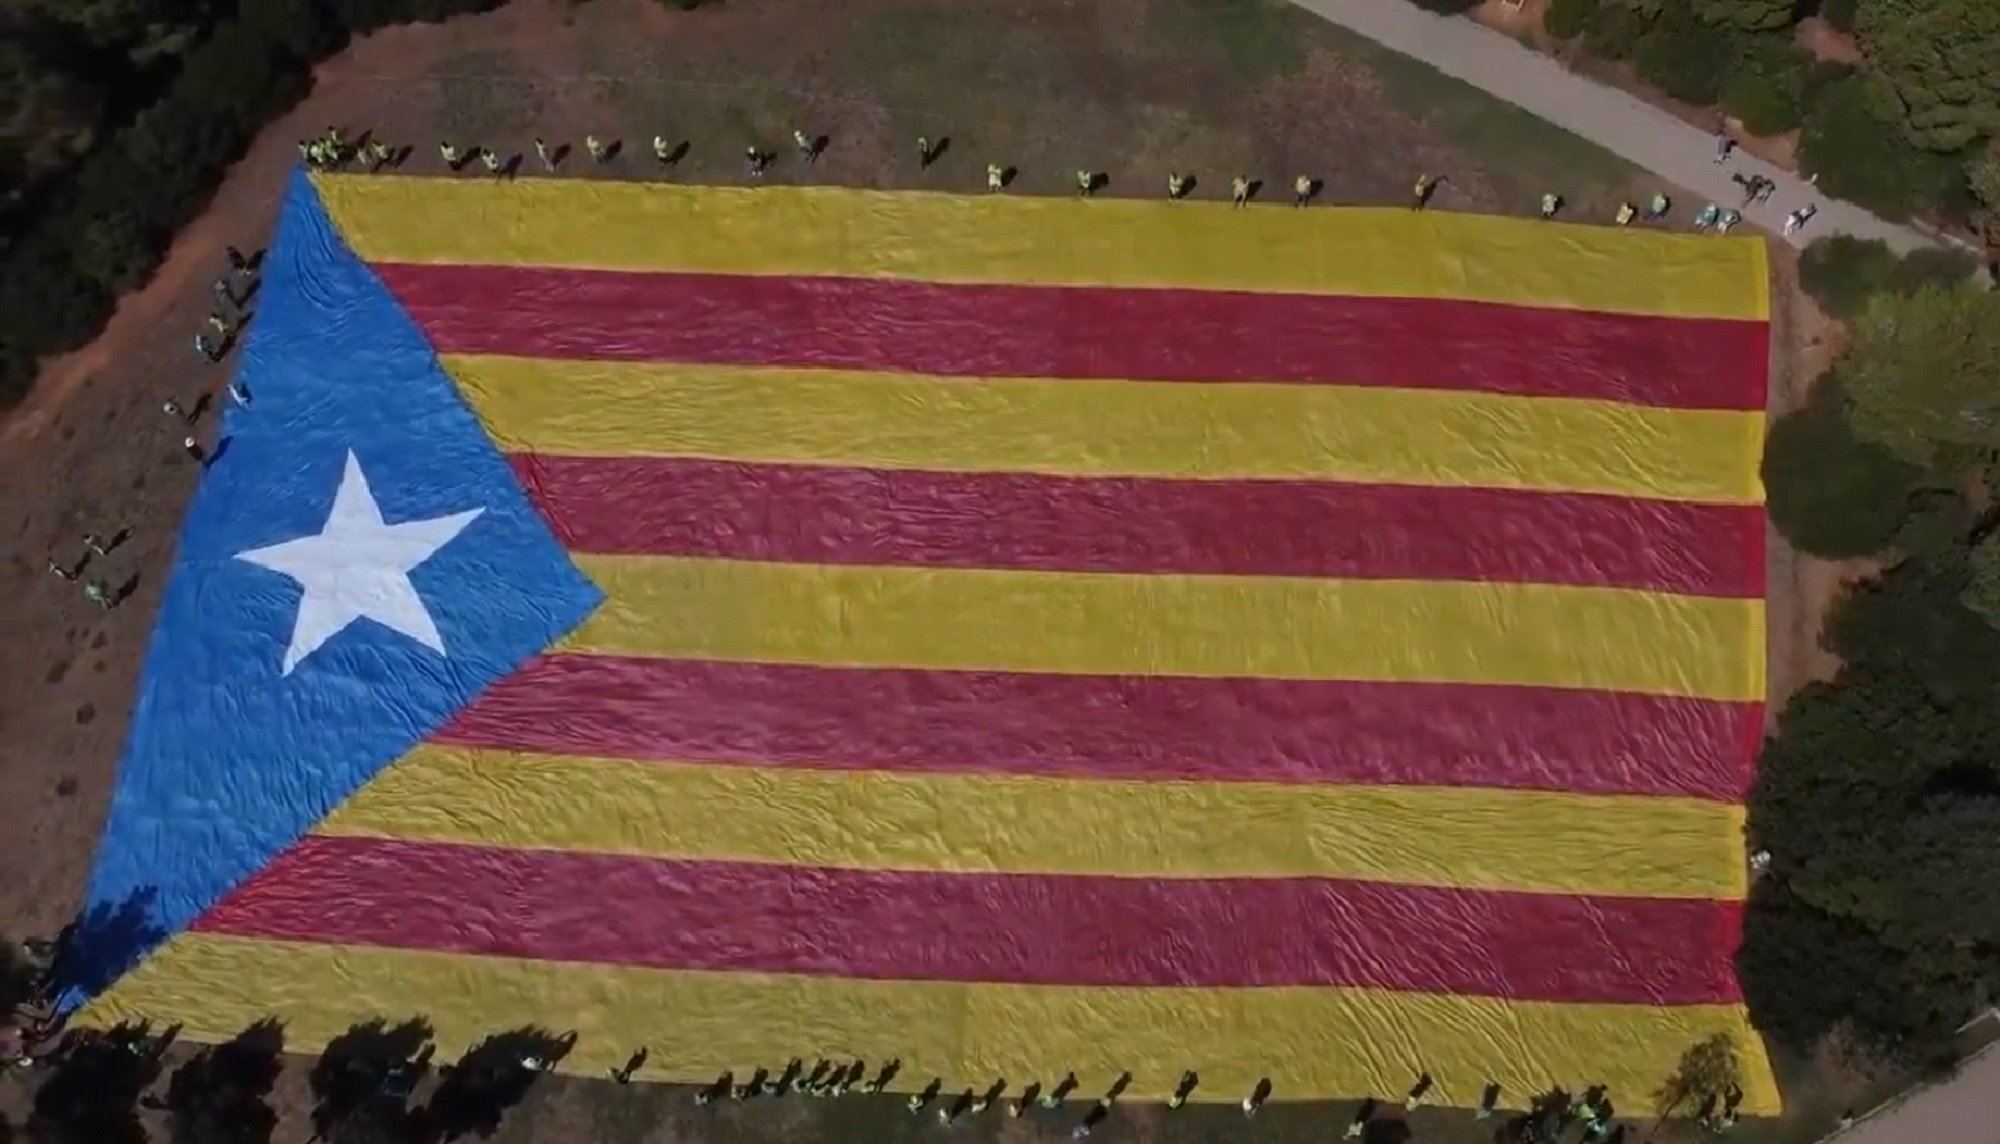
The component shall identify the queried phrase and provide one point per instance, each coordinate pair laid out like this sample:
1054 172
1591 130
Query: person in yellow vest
1626 213
996 177
1176 186
1239 191
1302 190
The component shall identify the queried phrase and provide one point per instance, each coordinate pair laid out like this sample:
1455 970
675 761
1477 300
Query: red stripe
807 515
987 927
1117 727
1070 332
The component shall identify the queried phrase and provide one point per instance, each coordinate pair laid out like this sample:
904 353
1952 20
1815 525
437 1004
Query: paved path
1962 1110
1622 124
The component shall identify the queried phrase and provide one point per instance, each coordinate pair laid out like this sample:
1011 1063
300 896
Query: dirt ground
1131 87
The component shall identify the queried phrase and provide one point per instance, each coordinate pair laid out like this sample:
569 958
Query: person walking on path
917 1101
1257 1097
1176 187
1488 1101
1417 1092
996 178
542 154
1551 203
1239 192
1019 1106
1421 192
1086 183
1302 190
1799 218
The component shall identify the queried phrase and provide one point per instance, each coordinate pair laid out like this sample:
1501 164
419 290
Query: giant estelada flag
1013 636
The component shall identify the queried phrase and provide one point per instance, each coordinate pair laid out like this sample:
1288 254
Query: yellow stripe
1467 838
1042 241
1206 626
1114 428
1312 1043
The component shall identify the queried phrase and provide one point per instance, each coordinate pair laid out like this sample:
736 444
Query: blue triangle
229 759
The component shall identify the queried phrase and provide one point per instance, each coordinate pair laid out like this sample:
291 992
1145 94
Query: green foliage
1923 374
1766 96
103 229
1839 13
1982 581
1682 56
1862 156
1843 273
1614 35
1829 492
1745 15
1568 19
1879 803
1941 61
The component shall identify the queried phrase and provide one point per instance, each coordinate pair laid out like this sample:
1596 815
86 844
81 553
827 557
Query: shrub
1934 267
1829 492
1614 35
1842 272
1765 90
1568 19
1683 58
1763 104
1839 13
1860 155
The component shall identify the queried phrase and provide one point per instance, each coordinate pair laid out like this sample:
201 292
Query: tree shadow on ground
222 1094
362 1082
103 942
492 1077
91 1094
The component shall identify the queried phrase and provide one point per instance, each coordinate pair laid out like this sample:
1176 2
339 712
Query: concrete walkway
1622 124
1962 1110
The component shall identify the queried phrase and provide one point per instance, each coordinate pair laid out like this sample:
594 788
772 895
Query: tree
1860 153
1941 59
1746 15
1829 492
1923 374
1568 19
1982 179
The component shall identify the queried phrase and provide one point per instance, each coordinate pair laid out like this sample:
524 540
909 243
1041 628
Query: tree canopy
1748 15
1941 61
1923 375
1829 492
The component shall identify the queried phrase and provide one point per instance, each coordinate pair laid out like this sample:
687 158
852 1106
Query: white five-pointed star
358 567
